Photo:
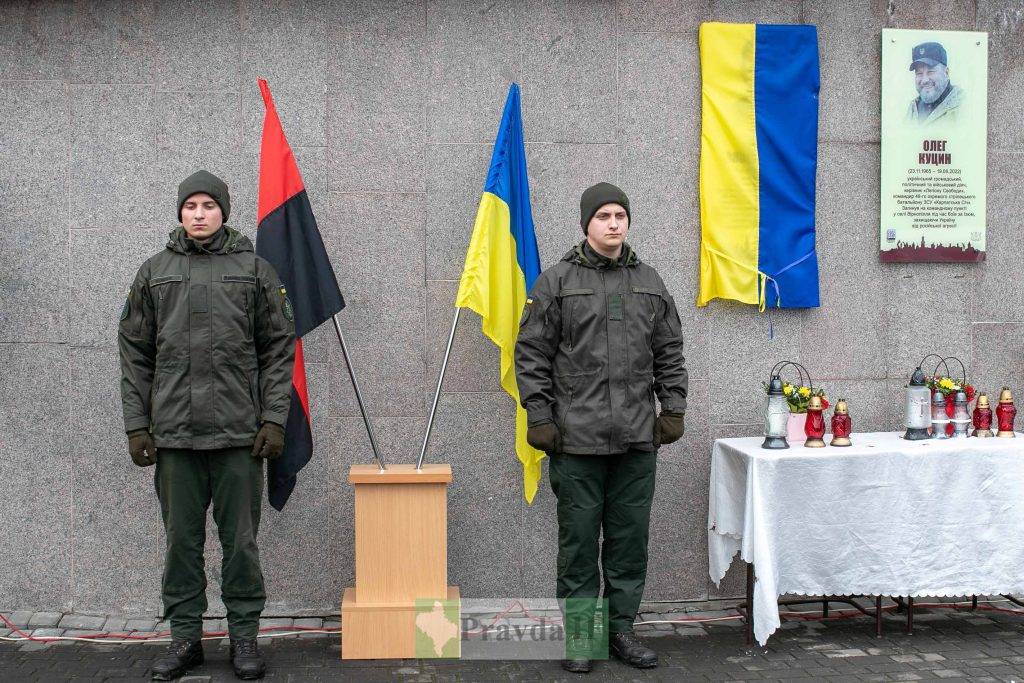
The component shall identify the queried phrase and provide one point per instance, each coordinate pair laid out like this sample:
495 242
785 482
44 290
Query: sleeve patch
126 309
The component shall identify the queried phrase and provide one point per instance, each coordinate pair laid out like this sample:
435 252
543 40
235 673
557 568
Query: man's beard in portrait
932 90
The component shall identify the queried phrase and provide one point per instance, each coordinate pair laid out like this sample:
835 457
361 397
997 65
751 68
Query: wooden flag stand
401 551
401 529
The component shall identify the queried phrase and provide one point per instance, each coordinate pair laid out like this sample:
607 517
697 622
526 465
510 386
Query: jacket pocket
569 305
164 290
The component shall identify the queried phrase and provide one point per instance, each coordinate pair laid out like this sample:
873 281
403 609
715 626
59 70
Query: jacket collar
585 255
225 241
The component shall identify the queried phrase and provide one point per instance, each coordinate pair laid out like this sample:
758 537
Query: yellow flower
805 392
947 383
787 389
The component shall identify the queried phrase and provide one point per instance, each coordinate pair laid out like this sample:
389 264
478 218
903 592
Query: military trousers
610 494
187 481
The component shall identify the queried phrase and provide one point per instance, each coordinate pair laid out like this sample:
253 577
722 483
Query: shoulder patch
126 309
287 305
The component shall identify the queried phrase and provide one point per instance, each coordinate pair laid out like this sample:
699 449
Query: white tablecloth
885 516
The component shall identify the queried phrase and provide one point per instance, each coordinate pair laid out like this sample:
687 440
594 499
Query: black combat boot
246 659
181 656
629 648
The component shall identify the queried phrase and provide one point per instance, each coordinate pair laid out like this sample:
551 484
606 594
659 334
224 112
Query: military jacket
207 343
599 339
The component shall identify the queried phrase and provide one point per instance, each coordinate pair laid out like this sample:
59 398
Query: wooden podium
401 529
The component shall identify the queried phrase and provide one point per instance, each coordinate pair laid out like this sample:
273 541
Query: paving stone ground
946 645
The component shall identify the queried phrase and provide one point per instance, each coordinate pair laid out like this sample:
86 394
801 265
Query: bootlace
178 648
246 648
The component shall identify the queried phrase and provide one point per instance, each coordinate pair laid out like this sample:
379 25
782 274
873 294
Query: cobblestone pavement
947 645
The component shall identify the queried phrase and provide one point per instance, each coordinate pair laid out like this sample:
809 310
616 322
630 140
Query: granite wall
392 108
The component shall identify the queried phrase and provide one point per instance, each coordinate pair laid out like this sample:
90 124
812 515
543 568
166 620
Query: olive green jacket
598 339
207 343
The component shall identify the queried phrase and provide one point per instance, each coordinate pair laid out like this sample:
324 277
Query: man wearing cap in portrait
938 99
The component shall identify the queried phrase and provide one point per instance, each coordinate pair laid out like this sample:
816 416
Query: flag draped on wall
289 239
502 265
759 154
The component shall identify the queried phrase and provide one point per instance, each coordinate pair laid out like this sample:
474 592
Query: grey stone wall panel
473 53
197 45
998 360
756 11
34 40
845 337
378 258
659 88
455 181
673 16
946 15
113 42
569 72
375 108
118 536
114 154
35 466
849 42
1004 22
996 296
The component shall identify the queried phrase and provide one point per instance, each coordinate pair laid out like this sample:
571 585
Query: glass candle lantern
982 418
815 425
918 417
776 416
939 418
842 425
961 419
1005 413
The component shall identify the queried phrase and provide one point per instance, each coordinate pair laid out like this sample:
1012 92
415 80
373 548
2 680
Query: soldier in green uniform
599 339
207 344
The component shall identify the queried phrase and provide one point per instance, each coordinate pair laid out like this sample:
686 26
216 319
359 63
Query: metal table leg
750 604
878 616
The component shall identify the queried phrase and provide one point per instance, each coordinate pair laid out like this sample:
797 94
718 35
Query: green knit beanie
596 196
204 181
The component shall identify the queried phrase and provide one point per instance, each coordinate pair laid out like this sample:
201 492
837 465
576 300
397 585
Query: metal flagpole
359 396
437 393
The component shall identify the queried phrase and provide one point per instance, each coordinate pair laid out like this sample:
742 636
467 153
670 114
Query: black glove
668 428
141 447
269 441
545 437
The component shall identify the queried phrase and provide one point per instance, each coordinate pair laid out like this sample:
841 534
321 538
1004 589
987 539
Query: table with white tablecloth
885 516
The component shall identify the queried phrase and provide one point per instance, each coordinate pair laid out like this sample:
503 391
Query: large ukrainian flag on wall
502 264
758 157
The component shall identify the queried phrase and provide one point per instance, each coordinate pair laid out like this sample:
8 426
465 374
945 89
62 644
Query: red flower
824 403
970 392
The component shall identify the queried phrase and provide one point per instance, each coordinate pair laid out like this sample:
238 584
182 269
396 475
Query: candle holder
842 425
1006 411
982 418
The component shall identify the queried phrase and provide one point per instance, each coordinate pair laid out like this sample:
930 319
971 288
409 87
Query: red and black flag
288 238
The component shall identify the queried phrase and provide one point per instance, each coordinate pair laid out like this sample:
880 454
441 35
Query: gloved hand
141 447
545 437
668 428
269 441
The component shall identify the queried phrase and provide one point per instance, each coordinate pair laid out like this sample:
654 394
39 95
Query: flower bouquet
948 387
798 396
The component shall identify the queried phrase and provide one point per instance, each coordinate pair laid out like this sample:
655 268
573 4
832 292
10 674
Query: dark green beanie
204 181
596 196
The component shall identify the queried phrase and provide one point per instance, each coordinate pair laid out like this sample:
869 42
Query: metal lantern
939 418
982 418
815 425
918 417
961 419
1005 413
776 416
841 425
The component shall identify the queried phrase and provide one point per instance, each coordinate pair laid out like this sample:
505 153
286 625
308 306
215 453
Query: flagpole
437 393
359 395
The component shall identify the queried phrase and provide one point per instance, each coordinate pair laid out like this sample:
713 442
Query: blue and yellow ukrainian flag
758 157
502 264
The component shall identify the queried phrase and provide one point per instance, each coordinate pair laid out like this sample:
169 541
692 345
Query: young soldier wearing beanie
207 344
599 338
